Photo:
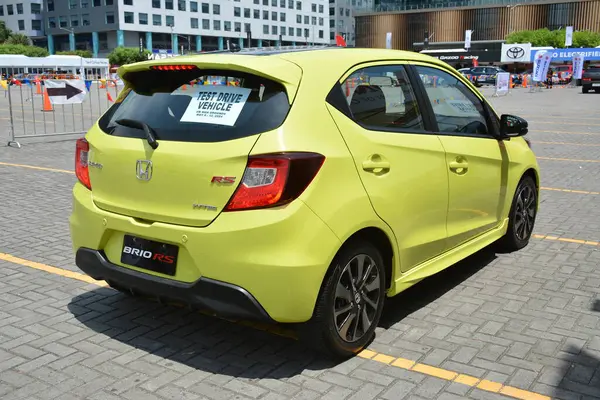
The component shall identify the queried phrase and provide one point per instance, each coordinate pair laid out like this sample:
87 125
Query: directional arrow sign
68 91
63 91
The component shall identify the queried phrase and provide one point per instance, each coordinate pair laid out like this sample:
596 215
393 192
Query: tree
80 53
4 32
18 38
127 55
545 37
30 51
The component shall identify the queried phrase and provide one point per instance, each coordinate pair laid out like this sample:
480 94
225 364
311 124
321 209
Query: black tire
322 332
523 211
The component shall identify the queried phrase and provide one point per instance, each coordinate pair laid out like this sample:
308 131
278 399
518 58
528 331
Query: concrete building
445 22
102 25
341 18
25 17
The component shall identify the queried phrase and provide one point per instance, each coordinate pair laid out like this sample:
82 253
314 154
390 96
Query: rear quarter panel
336 195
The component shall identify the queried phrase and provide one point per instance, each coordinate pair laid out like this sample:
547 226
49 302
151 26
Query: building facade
178 25
25 17
410 20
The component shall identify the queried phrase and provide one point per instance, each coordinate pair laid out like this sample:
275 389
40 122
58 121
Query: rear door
401 165
205 133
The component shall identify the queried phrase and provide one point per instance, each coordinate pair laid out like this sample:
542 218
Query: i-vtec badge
94 165
148 255
196 206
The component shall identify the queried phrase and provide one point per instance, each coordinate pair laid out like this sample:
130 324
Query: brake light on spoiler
173 67
275 179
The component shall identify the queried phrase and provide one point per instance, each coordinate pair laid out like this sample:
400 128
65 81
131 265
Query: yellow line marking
397 362
445 374
558 117
565 132
568 240
566 159
568 190
434 371
403 363
64 171
53 270
567 143
570 123
521 394
466 380
489 386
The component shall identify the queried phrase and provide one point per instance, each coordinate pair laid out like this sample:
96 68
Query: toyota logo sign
515 52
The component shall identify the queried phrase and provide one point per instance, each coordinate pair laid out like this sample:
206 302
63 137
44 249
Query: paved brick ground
529 319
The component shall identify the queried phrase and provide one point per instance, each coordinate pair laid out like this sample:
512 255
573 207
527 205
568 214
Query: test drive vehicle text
292 193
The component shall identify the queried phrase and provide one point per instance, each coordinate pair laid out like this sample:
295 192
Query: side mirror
512 126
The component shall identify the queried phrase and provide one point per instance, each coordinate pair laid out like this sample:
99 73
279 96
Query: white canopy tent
84 67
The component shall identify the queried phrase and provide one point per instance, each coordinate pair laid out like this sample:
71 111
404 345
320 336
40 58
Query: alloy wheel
525 212
357 298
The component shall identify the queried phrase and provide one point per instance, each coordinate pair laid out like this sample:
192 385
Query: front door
401 165
477 163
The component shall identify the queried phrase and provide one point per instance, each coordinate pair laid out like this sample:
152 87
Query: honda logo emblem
143 170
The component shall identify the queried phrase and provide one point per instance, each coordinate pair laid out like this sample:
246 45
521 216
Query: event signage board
590 54
516 53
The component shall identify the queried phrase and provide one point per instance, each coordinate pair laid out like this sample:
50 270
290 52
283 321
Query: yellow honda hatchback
297 186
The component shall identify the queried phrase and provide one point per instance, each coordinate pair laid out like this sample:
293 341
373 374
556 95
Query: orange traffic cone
38 88
47 104
109 97
525 81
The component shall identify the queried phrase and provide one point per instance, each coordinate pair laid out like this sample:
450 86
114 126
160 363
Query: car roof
333 57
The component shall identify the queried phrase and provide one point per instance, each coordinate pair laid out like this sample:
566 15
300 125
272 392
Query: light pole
510 10
71 37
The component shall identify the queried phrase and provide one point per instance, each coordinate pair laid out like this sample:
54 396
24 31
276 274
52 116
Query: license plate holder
149 254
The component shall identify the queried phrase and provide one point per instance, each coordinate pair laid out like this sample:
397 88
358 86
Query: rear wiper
135 124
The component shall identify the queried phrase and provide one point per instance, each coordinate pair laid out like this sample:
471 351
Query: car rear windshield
197 105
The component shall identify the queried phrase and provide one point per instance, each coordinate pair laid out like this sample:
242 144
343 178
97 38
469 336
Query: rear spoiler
273 67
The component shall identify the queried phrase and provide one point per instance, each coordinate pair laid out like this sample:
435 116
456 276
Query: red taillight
274 180
82 149
174 67
587 79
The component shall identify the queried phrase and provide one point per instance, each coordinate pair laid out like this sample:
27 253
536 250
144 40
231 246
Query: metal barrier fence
30 114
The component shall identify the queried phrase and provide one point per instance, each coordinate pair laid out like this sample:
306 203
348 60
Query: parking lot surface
495 326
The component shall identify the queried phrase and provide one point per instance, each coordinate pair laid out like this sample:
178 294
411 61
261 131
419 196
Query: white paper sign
220 105
65 91
541 64
577 65
502 82
463 107
569 36
388 40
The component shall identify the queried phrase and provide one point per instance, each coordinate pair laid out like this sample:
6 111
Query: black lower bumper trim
223 298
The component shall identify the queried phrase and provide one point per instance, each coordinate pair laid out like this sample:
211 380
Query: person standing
549 76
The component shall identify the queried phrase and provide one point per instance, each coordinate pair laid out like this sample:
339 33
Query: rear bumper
223 298
279 256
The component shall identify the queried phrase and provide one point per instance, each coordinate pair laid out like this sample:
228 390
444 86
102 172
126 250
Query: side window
456 108
382 98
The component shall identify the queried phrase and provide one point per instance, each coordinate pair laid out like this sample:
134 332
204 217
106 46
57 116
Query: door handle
376 164
460 166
